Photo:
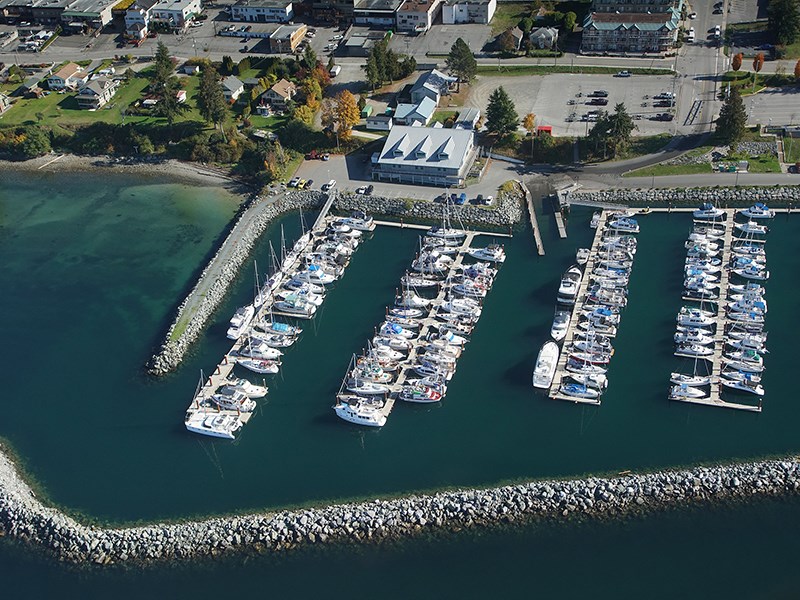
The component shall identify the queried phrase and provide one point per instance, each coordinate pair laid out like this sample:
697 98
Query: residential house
175 13
232 88
544 38
425 156
417 16
468 118
137 19
262 11
97 93
191 69
379 122
71 76
279 94
627 26
431 84
416 115
5 103
468 11
286 38
376 13
517 35
30 88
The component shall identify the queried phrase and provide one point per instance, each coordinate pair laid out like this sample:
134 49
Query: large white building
468 11
262 11
425 156
175 12
417 16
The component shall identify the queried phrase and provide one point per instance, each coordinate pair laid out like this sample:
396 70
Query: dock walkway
580 299
537 236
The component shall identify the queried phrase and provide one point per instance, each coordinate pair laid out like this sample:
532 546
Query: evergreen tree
784 20
36 142
309 60
168 105
462 62
162 70
613 132
501 116
227 65
732 119
373 73
210 98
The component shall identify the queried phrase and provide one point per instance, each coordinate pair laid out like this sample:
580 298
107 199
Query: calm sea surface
91 272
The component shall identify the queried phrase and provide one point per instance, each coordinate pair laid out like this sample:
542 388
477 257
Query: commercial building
360 41
175 13
376 13
647 28
425 156
137 18
417 16
468 11
76 15
286 38
262 11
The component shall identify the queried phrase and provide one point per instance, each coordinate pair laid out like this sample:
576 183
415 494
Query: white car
337 37
294 182
693 15
361 190
329 186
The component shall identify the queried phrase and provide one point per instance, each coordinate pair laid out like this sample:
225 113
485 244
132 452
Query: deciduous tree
506 42
797 70
570 19
736 62
501 115
529 123
347 113
758 64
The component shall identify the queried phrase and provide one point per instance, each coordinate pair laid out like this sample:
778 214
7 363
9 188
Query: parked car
301 184
461 199
308 184
370 189
623 74
598 101
693 15
361 190
294 181
329 186
326 156
599 94
718 10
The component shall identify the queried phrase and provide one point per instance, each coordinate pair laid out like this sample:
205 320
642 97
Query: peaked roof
426 146
424 109
232 83
67 71
285 89
433 80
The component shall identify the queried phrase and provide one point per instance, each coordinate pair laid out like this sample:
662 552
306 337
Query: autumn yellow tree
347 113
529 123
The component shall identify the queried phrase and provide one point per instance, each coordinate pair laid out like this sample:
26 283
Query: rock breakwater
778 196
24 518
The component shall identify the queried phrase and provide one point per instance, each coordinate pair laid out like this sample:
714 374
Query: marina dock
562 229
402 225
580 299
201 402
715 360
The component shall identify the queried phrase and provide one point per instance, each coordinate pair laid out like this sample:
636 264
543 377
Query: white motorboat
570 283
491 253
273 327
592 358
737 334
757 253
433 262
739 375
695 336
747 356
742 365
751 227
479 269
693 350
384 352
701 294
274 340
624 224
683 391
707 245
450 338
743 385
251 390
430 370
295 284
462 306
306 295
577 390
469 289
370 370
584 368
595 222
255 348
699 283
231 398
418 281
759 210
395 343
747 344
690 380
600 326
359 410
558 329
708 211
582 256
296 305
419 393
437 345
259 366
694 317
213 424
366 388
546 363
748 306
597 381
240 322
315 274
403 322
395 330
753 272
359 221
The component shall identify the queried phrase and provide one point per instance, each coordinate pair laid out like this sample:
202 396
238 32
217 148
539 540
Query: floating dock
715 360
537 236
580 300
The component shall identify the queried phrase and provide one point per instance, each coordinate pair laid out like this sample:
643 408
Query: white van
335 70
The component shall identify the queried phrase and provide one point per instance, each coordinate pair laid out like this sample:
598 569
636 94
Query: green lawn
764 164
270 123
508 15
440 116
791 150
489 70
661 170
641 146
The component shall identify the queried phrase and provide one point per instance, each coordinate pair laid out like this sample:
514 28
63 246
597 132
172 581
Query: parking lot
774 106
547 97
439 39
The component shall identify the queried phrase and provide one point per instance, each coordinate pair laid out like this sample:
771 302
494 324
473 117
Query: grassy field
488 70
764 164
662 170
440 116
508 15
791 150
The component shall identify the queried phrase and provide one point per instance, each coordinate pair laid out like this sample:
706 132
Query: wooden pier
402 225
562 229
715 397
580 299
537 236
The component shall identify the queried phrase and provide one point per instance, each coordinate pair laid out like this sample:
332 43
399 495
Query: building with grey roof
468 118
431 84
262 11
649 31
417 115
68 13
376 13
425 156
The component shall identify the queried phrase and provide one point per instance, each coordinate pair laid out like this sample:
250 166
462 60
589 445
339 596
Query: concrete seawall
777 196
24 518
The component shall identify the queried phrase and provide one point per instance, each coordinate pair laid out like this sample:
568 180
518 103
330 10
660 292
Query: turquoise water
91 275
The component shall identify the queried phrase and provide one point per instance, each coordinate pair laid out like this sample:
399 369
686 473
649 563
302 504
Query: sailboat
446 231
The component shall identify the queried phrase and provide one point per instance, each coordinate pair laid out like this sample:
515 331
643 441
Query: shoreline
24 518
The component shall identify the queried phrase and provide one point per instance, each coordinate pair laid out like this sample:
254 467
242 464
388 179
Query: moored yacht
213 424
491 253
759 210
360 410
558 329
546 363
568 288
708 211
240 322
